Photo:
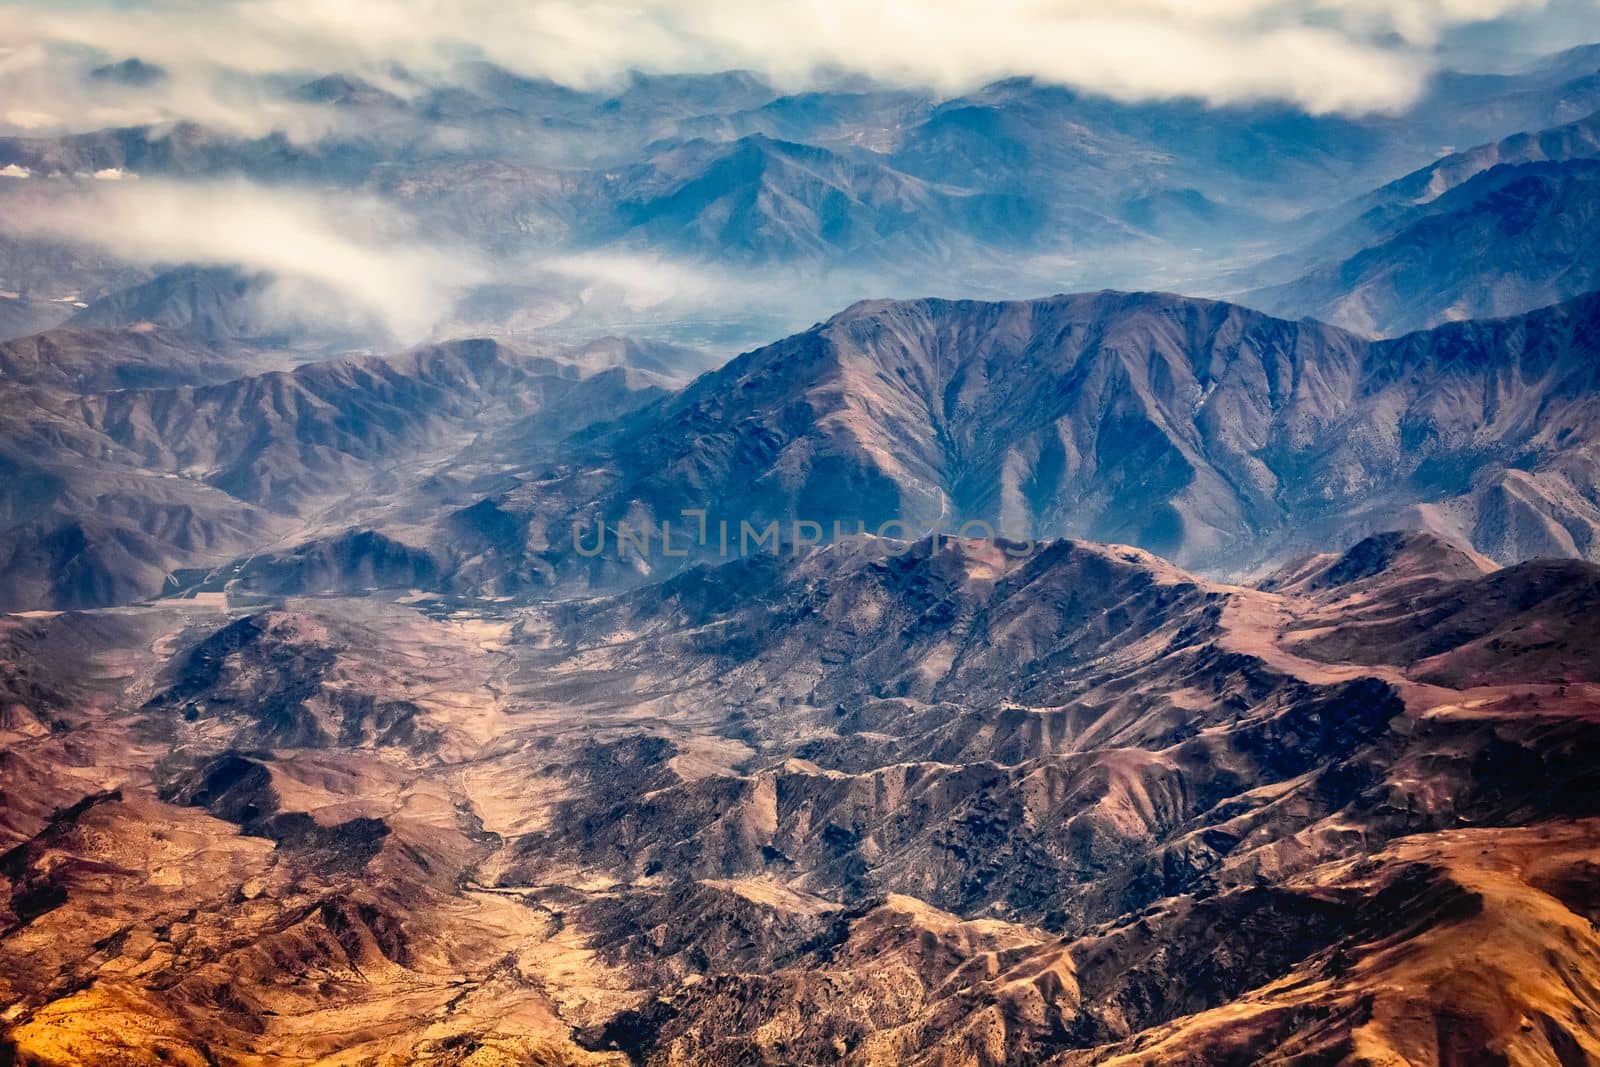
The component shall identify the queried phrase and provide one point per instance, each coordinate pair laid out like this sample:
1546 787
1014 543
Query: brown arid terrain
944 803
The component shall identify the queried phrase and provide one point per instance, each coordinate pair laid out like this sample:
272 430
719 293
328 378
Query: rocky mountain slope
1219 436
89 360
1573 141
1216 435
1498 229
1511 238
112 490
208 303
764 200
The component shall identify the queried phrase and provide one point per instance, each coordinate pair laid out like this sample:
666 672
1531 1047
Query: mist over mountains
1055 540
738 210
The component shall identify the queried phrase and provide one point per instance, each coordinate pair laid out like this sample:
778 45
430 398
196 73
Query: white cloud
30 120
330 245
1327 55
14 170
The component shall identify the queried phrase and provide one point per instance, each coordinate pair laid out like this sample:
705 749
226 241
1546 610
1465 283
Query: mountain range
1016 187
1203 431
496 572
1217 436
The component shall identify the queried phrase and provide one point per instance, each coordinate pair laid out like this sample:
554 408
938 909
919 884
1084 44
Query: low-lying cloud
328 250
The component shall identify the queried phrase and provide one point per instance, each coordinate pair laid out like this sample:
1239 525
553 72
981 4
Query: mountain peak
132 72
344 90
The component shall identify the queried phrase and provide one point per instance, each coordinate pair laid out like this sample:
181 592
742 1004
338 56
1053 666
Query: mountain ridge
1194 428
1072 415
